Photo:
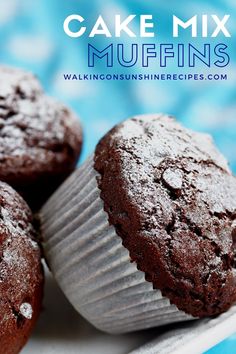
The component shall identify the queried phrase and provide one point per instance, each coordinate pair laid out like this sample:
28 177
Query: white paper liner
92 266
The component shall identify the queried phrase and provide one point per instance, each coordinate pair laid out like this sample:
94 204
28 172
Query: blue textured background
32 37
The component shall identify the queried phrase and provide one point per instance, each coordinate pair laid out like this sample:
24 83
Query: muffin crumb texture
172 199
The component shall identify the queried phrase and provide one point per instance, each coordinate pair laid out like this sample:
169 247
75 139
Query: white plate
194 338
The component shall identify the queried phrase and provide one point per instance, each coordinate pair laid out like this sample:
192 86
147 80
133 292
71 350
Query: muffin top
40 139
172 199
37 133
21 277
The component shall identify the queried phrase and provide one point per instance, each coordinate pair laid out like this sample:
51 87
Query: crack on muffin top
172 199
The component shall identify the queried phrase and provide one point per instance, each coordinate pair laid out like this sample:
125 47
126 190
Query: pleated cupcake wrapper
92 266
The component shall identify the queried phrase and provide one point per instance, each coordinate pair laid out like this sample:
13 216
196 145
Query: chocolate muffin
172 200
142 234
40 139
21 276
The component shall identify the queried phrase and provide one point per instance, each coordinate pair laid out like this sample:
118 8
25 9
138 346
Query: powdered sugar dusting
26 310
34 244
173 141
173 178
9 256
